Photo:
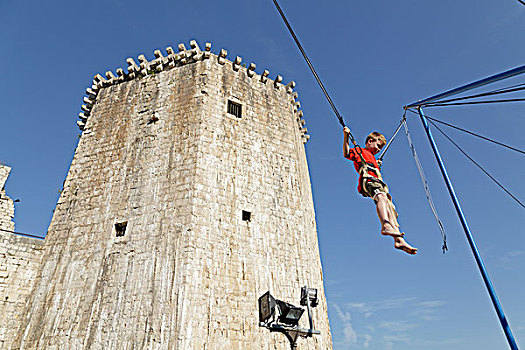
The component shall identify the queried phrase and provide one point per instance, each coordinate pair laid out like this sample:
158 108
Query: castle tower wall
7 207
177 215
19 262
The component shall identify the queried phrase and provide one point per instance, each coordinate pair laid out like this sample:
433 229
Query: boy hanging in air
371 185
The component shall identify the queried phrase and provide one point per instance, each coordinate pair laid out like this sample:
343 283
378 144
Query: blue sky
374 57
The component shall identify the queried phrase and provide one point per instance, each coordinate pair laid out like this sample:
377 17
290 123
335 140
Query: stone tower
188 198
19 262
7 207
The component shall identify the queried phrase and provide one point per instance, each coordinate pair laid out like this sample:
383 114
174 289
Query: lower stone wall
19 262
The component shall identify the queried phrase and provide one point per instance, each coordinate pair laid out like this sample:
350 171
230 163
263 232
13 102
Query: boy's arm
346 146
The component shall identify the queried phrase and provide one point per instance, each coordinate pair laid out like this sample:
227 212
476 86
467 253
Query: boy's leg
386 217
389 223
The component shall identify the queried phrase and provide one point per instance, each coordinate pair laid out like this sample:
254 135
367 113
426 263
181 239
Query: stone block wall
7 207
176 215
19 262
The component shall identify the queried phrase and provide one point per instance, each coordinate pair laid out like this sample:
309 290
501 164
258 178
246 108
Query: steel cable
338 115
471 133
426 187
475 163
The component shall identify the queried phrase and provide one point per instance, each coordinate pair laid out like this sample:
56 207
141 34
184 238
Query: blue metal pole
476 84
479 261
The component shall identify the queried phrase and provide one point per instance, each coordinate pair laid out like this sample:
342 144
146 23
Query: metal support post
310 320
479 261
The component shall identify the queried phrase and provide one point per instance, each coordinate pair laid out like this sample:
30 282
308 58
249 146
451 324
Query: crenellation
251 70
207 50
236 64
173 60
133 68
277 81
99 81
91 93
158 54
222 56
195 46
121 75
169 51
190 55
143 65
297 105
290 86
88 101
143 61
155 66
160 61
301 122
264 76
182 53
112 79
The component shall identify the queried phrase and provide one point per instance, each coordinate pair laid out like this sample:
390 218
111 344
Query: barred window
120 228
234 108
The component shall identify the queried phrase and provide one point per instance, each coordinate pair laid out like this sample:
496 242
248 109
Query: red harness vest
369 159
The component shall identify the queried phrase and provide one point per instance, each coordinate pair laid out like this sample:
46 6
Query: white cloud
427 310
431 304
370 308
509 258
391 339
358 306
368 338
397 326
350 335
388 321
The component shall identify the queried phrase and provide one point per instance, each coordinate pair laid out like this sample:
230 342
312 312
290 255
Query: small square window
234 108
246 216
120 229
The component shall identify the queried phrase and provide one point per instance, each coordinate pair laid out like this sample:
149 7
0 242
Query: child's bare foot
388 230
393 234
401 244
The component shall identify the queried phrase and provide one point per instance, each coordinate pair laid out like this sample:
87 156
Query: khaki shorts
372 187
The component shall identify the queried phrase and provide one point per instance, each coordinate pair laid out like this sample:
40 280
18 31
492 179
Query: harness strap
366 167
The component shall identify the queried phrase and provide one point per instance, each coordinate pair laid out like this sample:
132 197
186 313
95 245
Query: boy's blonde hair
376 136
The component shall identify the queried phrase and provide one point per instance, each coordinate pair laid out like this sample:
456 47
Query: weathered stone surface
19 262
161 155
7 207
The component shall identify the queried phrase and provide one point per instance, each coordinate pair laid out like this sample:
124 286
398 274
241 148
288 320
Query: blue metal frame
476 84
479 261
